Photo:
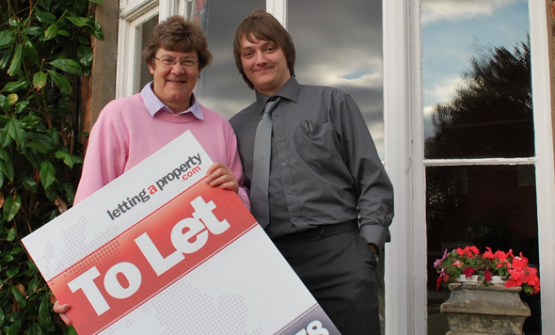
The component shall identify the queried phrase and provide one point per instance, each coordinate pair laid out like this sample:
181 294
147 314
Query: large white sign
158 251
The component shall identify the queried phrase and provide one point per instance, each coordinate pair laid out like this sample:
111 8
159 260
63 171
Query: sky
455 31
339 44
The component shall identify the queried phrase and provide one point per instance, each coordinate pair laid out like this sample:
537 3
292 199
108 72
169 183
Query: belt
321 231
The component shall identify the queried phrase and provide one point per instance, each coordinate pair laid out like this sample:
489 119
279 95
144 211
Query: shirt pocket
316 143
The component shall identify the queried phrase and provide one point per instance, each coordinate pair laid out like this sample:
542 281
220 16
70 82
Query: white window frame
405 267
132 16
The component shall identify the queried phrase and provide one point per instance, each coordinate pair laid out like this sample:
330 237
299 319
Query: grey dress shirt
324 167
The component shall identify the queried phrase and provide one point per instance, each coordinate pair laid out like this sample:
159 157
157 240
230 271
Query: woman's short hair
178 34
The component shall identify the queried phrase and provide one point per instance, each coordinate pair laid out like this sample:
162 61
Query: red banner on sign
144 260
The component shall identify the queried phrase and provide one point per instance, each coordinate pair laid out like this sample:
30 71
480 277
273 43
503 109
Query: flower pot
474 308
473 280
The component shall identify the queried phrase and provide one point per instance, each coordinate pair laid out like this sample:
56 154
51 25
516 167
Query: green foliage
45 48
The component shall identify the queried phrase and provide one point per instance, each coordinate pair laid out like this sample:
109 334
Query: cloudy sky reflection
338 43
453 32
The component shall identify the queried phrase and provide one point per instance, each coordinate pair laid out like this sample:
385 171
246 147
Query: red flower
487 275
488 254
438 283
468 272
519 263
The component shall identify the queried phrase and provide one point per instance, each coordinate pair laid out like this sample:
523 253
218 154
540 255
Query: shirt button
283 164
295 219
289 191
279 138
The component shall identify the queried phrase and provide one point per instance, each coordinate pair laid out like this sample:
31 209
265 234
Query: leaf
14 328
15 64
34 330
2 317
38 147
85 55
51 194
15 86
5 58
13 22
16 131
21 106
64 32
5 138
7 169
98 2
44 310
47 174
51 32
20 298
61 82
4 155
97 31
33 284
45 17
33 31
70 329
30 122
31 52
69 159
29 184
11 207
6 38
45 140
67 65
39 80
11 236
80 21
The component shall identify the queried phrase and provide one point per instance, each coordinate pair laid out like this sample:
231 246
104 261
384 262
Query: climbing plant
45 49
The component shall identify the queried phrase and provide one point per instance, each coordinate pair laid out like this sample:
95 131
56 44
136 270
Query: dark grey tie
261 165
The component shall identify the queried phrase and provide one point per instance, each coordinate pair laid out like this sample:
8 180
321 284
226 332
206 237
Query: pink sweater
125 134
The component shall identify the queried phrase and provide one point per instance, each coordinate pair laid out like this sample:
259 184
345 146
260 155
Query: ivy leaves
45 49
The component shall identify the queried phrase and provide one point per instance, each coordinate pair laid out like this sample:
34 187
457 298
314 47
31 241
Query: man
130 129
331 201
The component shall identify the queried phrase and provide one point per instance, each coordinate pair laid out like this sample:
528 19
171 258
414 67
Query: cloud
438 10
442 91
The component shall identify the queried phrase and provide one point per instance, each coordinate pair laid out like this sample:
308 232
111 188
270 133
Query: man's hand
373 247
62 310
220 175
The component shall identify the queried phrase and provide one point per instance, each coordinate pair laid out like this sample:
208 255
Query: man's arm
373 187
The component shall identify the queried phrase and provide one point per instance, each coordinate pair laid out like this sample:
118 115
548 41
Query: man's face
264 64
173 84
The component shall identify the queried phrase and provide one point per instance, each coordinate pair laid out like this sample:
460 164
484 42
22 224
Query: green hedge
45 48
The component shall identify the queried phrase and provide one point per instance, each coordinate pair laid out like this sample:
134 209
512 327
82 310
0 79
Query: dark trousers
338 268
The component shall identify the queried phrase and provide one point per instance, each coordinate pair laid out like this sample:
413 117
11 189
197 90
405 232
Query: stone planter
475 309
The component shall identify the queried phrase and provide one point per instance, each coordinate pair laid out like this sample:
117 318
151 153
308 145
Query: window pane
476 79
339 44
221 87
146 77
491 206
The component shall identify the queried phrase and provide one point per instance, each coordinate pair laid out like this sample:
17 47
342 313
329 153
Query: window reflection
339 44
147 28
477 81
221 87
491 206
